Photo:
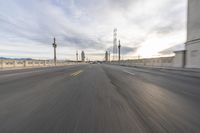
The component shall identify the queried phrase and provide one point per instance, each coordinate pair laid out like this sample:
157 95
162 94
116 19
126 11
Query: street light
119 47
54 46
77 56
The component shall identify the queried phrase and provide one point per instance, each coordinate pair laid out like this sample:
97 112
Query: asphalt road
99 99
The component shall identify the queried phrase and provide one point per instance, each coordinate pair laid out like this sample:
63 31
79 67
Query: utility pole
77 56
119 48
54 46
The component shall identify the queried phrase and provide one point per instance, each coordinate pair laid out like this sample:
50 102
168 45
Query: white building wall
193 20
193 35
178 60
193 55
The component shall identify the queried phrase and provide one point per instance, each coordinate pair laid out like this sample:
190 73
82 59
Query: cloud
124 50
127 50
172 49
88 25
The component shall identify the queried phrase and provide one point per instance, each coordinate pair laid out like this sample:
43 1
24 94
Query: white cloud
150 26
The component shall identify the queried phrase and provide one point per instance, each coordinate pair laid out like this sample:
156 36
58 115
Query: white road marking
187 93
129 72
76 73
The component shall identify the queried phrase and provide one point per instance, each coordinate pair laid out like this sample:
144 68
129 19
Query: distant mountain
5 58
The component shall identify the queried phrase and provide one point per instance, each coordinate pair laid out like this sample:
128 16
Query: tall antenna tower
114 43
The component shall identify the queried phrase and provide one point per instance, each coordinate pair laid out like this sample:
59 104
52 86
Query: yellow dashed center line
76 73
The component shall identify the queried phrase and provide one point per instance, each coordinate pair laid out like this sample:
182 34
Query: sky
146 28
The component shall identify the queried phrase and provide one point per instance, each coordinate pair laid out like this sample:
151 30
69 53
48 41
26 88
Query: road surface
97 98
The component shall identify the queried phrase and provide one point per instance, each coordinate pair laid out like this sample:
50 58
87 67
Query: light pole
77 56
109 56
119 47
54 46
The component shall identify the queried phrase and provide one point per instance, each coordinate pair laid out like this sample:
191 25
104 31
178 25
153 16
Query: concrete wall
6 64
193 35
179 59
193 55
193 27
176 61
152 62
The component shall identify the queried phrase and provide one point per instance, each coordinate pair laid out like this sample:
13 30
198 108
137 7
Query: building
193 35
83 56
